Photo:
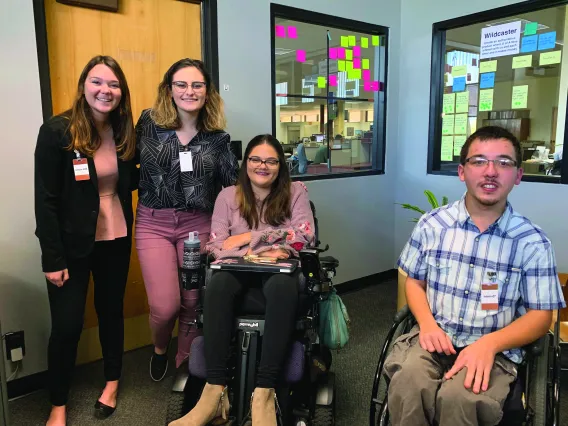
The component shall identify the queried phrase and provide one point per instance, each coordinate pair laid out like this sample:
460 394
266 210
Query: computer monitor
319 138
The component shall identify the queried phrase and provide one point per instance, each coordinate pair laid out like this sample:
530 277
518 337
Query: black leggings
281 293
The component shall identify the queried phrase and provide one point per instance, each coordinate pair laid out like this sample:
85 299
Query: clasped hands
241 240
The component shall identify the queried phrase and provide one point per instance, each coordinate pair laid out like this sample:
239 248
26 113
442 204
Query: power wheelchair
306 396
534 396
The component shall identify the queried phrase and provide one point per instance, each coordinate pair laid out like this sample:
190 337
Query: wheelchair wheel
539 386
324 415
177 406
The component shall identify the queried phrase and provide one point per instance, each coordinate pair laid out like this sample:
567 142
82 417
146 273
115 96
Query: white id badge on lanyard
80 167
185 161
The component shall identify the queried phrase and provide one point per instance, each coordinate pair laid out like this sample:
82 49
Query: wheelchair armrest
329 262
536 348
402 314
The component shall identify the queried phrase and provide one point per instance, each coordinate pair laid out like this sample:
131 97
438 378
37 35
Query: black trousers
281 293
109 264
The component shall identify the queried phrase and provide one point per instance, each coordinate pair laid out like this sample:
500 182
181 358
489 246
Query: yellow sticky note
460 124
522 61
462 102
488 66
447 148
365 64
550 58
486 100
348 66
340 65
375 40
352 40
520 97
357 73
459 141
448 124
344 41
449 103
459 70
364 42
321 82
349 54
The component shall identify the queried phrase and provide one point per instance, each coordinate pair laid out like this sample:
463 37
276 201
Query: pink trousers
159 239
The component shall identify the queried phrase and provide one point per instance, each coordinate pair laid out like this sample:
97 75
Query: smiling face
263 175
188 89
102 91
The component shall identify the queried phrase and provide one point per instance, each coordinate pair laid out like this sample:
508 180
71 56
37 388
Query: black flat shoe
102 410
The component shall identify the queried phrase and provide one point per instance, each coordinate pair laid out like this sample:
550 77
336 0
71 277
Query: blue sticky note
547 41
459 84
528 44
487 80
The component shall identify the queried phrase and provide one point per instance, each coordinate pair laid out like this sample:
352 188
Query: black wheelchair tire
539 386
177 407
324 415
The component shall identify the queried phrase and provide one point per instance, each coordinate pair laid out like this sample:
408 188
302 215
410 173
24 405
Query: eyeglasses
482 162
270 162
181 86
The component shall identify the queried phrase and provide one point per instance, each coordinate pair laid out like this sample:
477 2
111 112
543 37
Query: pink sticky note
333 53
301 55
333 80
367 86
292 32
357 51
341 53
356 63
375 86
367 75
280 31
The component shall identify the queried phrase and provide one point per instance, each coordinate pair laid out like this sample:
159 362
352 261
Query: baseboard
363 282
26 384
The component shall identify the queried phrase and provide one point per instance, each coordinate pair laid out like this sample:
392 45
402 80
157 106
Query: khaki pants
419 395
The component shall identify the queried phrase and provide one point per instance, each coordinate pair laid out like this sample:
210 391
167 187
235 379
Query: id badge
185 161
81 169
490 293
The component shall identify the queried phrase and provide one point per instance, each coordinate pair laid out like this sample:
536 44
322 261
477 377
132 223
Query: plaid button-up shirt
448 251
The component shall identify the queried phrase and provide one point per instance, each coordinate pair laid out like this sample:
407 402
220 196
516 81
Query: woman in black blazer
84 174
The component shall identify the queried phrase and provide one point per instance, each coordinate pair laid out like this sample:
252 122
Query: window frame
378 147
437 72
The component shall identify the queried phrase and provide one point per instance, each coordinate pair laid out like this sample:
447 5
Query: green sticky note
488 66
352 40
364 42
447 150
344 41
460 124
459 70
520 97
530 28
348 66
375 40
550 58
321 82
448 124
365 64
449 103
462 102
340 65
357 73
522 61
349 54
486 100
459 141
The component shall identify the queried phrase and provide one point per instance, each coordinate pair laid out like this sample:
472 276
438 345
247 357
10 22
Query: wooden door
145 37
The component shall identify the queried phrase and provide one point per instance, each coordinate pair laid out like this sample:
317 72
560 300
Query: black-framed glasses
270 162
181 86
501 163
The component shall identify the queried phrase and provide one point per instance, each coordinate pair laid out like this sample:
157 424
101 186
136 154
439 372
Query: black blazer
67 210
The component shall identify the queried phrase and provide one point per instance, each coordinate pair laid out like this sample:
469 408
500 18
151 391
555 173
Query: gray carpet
143 402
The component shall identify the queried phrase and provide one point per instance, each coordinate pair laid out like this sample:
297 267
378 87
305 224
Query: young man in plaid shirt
482 283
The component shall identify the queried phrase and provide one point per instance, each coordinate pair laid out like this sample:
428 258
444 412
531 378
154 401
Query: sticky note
333 53
446 153
460 124
352 40
530 28
367 75
356 63
520 96
340 53
549 58
462 102
449 103
375 86
348 66
292 32
486 100
344 41
357 51
340 65
547 41
280 31
487 80
321 82
375 40
488 66
354 74
459 84
459 141
528 44
301 55
365 64
367 85
348 54
333 80
448 124
522 61
364 42
459 70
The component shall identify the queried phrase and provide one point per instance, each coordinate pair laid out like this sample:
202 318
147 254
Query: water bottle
191 265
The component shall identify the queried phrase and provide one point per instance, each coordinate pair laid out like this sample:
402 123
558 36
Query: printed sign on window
500 40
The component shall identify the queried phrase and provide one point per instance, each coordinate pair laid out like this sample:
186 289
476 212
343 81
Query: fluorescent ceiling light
281 51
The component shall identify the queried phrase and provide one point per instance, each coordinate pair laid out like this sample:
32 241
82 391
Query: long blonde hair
164 113
84 135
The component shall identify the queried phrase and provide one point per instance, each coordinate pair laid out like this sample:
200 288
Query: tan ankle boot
263 407
212 407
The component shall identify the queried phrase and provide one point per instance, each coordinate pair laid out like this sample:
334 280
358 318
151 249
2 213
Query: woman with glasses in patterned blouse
185 159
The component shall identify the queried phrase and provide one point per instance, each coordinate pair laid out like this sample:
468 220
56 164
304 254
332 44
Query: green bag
334 322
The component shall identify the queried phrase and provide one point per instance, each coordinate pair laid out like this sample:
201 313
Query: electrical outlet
15 346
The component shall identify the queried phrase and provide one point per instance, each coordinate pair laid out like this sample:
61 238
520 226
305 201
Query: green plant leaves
431 199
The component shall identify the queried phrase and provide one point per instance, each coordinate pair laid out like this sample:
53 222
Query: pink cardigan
293 235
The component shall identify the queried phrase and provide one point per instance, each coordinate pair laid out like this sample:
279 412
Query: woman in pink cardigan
264 213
